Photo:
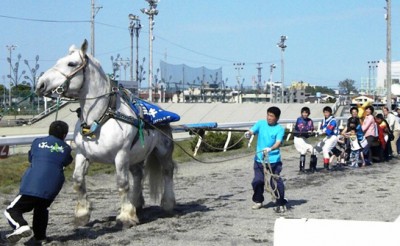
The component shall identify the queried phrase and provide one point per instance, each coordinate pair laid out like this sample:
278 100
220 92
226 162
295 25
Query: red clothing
381 134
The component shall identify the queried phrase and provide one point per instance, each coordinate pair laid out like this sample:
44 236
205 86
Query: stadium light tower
283 46
239 66
134 28
151 12
271 69
10 49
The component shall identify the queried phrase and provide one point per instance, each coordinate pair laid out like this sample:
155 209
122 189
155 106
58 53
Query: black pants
23 204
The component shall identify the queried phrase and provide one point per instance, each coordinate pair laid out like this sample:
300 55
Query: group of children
350 145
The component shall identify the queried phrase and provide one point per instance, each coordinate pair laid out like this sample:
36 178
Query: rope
217 148
88 98
270 177
58 107
191 156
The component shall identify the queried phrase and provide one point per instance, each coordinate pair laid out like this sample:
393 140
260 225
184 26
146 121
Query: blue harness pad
154 114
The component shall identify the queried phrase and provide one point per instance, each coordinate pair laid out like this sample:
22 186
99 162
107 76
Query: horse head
67 76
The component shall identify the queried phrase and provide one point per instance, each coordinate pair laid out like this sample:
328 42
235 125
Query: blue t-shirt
267 136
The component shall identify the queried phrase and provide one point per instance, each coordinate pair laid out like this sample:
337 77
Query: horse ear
84 46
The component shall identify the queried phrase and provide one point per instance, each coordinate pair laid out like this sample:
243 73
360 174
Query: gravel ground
214 205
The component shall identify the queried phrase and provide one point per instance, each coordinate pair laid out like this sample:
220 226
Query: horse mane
96 63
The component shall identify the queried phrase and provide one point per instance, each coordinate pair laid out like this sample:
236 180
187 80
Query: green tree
347 86
322 89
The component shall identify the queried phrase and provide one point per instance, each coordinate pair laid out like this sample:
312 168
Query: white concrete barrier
323 232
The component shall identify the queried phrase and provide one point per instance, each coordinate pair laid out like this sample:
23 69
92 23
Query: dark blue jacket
303 127
45 176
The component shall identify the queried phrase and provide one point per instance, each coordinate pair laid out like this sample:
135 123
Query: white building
381 76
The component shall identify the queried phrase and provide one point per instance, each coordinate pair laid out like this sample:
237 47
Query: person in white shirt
395 127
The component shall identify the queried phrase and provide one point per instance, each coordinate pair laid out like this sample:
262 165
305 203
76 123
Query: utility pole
95 9
388 55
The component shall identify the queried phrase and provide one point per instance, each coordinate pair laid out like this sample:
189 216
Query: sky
328 41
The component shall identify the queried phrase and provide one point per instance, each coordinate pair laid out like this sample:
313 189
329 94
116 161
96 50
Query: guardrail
28 139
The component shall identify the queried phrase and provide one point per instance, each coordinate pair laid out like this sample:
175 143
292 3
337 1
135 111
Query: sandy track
214 205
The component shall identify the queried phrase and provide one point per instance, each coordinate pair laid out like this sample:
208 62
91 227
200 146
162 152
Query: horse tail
160 167
153 169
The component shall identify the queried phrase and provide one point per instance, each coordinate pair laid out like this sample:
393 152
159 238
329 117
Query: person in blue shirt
40 184
269 138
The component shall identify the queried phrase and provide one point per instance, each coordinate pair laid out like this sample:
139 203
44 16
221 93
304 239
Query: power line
41 20
123 28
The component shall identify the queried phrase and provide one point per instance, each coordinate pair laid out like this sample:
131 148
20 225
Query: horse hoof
82 220
168 206
128 222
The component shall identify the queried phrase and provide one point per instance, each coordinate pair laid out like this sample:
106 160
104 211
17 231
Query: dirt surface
214 205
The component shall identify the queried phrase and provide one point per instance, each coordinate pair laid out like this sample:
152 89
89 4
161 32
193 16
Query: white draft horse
112 139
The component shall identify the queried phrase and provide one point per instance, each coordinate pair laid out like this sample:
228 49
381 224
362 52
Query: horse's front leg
82 210
137 171
127 214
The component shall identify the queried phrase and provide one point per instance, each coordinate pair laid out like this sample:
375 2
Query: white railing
14 141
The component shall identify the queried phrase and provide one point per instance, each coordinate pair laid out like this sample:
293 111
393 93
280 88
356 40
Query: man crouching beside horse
109 131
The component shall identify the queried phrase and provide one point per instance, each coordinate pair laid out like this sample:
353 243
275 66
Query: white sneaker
23 231
256 205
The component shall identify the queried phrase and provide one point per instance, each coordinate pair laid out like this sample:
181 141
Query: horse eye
72 64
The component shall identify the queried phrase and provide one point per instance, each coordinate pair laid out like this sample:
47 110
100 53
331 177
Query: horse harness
111 111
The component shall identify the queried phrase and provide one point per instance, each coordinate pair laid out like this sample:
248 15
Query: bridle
63 87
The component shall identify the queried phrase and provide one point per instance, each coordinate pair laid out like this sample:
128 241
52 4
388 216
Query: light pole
135 25
388 54
282 45
238 66
10 49
271 69
151 13
4 91
33 79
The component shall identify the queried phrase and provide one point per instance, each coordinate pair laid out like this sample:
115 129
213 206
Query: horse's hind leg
127 214
168 197
82 210
137 174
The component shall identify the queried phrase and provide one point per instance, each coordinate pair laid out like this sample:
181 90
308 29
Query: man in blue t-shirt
40 184
269 138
